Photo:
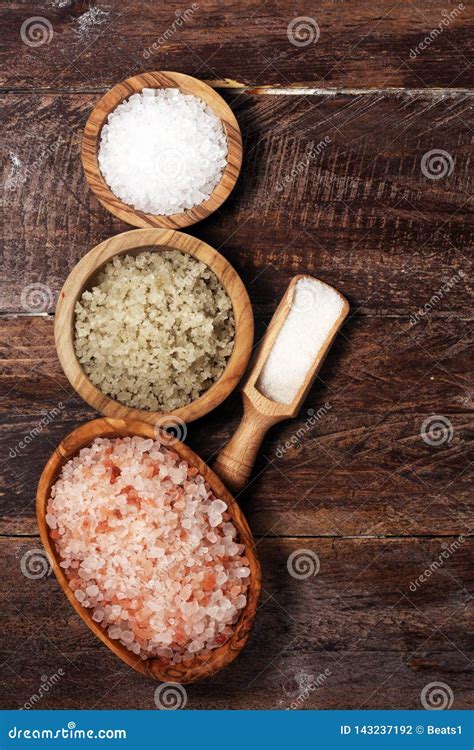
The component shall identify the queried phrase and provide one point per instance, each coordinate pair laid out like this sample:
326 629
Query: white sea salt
314 310
136 561
162 151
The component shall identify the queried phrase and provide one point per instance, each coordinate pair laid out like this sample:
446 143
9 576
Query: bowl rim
154 667
120 92
154 240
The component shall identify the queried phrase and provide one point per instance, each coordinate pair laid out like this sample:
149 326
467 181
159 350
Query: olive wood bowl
134 241
109 102
200 666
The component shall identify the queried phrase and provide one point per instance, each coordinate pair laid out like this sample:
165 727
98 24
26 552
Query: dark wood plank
379 640
358 465
376 46
361 214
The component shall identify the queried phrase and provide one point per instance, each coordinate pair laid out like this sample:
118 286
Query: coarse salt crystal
151 584
162 151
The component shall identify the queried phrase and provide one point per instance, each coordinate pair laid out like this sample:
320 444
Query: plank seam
289 537
250 90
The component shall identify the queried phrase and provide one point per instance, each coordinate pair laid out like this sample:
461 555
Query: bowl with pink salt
150 549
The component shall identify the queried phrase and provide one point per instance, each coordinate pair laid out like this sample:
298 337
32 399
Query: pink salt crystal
218 507
139 564
243 572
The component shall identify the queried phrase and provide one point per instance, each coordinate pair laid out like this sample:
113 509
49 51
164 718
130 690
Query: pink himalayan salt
148 548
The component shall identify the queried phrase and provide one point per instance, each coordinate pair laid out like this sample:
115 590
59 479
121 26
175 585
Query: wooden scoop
235 462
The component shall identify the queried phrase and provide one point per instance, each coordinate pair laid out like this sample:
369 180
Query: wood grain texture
356 211
248 41
356 625
204 665
331 185
160 80
356 465
154 240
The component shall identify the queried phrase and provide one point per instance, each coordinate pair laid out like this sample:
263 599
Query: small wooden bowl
134 241
159 669
114 97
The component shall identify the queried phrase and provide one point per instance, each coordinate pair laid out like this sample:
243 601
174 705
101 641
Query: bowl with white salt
162 149
154 324
150 549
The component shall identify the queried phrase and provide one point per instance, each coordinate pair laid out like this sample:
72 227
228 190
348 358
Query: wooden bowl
114 97
137 240
159 669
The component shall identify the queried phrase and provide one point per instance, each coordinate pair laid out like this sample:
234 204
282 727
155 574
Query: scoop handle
235 462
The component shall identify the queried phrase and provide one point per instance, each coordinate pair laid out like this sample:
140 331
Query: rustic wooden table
357 123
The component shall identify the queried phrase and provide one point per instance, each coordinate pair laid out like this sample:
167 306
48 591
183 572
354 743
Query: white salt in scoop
286 363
